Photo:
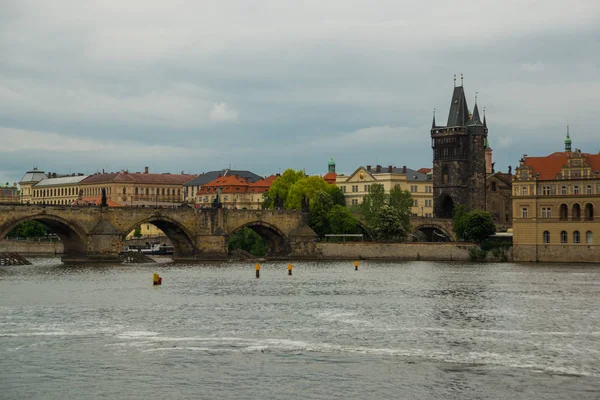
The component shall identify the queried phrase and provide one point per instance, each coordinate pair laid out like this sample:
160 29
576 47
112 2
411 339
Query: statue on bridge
103 203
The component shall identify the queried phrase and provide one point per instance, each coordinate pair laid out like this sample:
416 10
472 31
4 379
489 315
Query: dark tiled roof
138 178
207 177
459 112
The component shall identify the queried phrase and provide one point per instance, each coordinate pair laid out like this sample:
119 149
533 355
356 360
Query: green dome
331 162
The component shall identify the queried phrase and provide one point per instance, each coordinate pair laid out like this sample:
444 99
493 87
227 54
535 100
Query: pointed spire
461 79
568 141
484 121
433 123
454 80
476 119
459 112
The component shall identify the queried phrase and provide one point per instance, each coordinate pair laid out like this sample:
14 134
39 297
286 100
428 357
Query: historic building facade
234 192
498 199
356 186
555 199
459 158
9 193
192 187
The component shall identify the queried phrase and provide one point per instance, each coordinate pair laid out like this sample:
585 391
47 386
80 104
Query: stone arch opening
181 240
564 212
446 207
589 212
277 242
431 233
576 212
72 237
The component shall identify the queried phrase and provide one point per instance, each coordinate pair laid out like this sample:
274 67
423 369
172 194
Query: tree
388 225
459 219
307 188
336 195
248 240
402 201
137 233
341 220
29 229
479 225
320 206
373 202
281 186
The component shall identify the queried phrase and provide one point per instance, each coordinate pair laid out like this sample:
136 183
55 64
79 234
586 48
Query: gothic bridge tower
459 169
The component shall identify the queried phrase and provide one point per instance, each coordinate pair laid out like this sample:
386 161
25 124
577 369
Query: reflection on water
391 330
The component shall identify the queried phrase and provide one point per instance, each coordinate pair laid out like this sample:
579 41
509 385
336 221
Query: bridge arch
432 233
278 243
181 238
72 236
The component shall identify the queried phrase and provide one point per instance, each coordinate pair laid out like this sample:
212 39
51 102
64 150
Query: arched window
564 212
576 237
576 212
589 212
136 191
445 175
546 237
563 236
589 237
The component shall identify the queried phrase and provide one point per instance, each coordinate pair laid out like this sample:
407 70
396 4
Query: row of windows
546 212
73 191
589 237
413 188
549 190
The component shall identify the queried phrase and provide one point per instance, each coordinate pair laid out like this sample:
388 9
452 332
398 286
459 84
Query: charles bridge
95 234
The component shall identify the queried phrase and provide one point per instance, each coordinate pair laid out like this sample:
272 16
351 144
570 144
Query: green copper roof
331 162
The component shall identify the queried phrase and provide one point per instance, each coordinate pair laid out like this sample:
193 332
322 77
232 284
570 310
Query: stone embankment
395 251
42 248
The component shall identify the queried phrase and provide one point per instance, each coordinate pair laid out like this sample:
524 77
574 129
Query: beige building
554 202
40 188
9 193
356 186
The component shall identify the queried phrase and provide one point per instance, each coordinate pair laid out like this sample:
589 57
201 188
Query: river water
413 330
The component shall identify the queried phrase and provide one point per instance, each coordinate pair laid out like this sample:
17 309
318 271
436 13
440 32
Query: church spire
484 121
568 141
433 123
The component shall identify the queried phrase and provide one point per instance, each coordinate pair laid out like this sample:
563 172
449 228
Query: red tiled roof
262 185
550 166
330 177
237 184
138 178
424 170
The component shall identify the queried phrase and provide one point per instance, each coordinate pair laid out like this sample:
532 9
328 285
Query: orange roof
227 184
424 170
330 177
550 166
262 185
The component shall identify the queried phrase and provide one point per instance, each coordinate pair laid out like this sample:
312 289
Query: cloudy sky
268 85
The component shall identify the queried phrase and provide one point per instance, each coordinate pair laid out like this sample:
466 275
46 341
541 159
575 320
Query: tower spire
454 80
568 141
461 79
433 123
484 122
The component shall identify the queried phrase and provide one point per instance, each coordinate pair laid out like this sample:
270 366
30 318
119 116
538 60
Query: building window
564 212
524 191
589 237
124 191
589 212
563 236
546 237
493 186
588 189
524 212
563 190
366 188
545 190
576 212
546 212
415 203
576 189
428 203
354 202
343 189
413 188
576 238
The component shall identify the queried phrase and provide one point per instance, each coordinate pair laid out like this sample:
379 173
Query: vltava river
415 330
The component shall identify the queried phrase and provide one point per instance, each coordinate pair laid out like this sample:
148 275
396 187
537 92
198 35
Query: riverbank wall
27 248
394 251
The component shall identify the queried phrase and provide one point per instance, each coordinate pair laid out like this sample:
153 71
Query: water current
414 330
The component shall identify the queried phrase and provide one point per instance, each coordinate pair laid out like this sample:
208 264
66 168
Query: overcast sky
268 85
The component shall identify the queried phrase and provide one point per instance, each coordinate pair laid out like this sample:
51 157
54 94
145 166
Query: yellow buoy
289 269
258 270
356 265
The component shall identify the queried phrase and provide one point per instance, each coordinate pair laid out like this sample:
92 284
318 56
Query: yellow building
554 199
40 188
356 186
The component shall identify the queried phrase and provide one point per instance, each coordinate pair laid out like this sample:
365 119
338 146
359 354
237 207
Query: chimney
145 170
102 170
368 167
404 169
182 173
390 169
378 168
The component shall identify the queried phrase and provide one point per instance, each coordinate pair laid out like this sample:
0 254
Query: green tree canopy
320 207
281 186
336 195
473 226
341 220
307 188
248 240
29 229
381 211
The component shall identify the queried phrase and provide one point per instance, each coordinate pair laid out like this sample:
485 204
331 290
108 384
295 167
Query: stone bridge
433 229
92 234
